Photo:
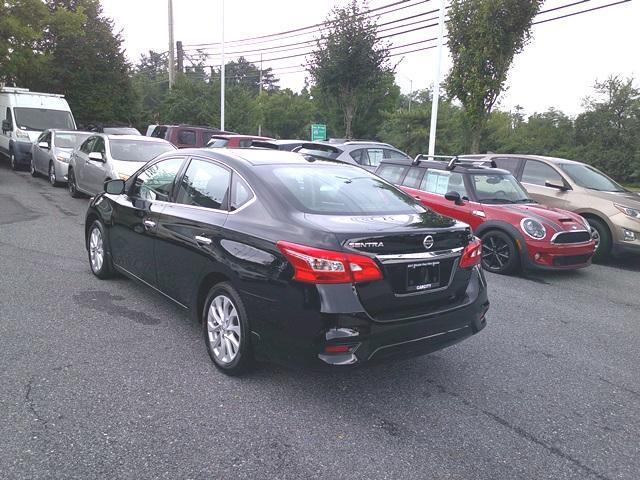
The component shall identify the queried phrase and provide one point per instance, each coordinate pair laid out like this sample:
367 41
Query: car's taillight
472 254
314 265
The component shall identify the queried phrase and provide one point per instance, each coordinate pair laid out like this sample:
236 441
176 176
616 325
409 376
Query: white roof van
24 116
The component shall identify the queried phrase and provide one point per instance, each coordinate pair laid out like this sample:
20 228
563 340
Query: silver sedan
50 153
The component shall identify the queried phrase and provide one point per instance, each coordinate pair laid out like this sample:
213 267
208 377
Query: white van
24 116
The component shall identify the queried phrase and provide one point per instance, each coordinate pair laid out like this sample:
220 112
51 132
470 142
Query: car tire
71 184
226 331
12 161
98 251
601 234
53 180
499 253
32 169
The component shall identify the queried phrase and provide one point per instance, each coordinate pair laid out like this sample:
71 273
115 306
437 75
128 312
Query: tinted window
392 173
589 177
537 173
98 146
155 182
204 184
414 177
240 193
187 137
394 155
245 143
159 132
510 164
86 146
43 118
360 156
69 140
8 115
340 190
442 181
217 143
137 151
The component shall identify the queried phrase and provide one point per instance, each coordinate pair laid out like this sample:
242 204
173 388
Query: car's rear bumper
310 338
548 256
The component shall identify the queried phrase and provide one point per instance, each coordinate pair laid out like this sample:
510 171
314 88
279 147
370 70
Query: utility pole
171 52
410 93
222 80
259 94
180 52
436 83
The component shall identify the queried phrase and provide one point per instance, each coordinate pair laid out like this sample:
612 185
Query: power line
246 41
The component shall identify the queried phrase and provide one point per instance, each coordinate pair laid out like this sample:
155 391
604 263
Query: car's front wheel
98 249
601 235
226 330
71 184
53 180
32 169
12 161
499 253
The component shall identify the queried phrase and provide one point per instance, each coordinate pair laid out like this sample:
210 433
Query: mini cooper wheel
32 169
601 235
71 184
53 180
226 330
499 253
97 247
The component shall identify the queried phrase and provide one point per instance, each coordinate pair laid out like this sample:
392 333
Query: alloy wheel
223 329
96 250
495 253
32 169
52 175
595 236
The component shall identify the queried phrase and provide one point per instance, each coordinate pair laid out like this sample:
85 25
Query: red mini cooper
516 231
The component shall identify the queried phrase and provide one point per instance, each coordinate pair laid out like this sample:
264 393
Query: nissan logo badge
428 242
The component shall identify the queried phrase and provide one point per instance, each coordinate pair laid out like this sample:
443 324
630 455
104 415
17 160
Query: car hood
630 199
560 219
126 168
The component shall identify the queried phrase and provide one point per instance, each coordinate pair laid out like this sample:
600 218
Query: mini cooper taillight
472 254
314 265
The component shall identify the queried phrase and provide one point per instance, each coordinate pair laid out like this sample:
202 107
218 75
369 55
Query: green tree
348 63
483 38
245 74
284 114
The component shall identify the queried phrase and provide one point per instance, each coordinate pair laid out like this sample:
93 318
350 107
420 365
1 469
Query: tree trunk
476 133
348 121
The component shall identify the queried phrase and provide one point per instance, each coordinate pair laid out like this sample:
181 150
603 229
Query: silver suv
104 157
358 152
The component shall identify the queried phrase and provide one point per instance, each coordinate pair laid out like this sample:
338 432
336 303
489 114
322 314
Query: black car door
190 229
135 218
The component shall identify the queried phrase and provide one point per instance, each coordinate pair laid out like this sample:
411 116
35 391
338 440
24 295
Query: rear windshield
217 143
134 151
319 153
340 190
120 131
42 118
70 140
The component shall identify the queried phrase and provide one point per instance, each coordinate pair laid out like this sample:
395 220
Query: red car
233 141
516 231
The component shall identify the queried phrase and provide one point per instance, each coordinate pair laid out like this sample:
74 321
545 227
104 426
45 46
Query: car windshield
39 119
588 177
70 140
340 190
120 131
136 151
217 143
498 188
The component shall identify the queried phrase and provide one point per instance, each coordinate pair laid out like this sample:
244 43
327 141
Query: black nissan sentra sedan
290 259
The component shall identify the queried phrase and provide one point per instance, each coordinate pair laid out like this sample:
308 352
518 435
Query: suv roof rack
453 160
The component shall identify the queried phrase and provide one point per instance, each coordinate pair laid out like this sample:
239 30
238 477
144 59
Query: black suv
288 259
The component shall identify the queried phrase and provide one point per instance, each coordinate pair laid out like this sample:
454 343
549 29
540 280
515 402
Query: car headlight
63 158
21 134
628 211
533 228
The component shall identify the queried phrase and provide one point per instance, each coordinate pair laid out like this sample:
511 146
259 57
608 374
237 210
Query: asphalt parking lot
106 379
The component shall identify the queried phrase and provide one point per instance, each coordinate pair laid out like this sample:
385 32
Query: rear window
187 137
331 155
340 190
70 140
217 143
134 151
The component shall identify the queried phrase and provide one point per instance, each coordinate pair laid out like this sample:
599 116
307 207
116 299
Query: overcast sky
557 69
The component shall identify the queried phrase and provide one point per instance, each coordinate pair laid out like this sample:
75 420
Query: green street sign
318 131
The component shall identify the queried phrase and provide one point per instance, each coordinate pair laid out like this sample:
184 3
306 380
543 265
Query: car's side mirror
552 184
114 187
6 126
96 156
44 145
454 197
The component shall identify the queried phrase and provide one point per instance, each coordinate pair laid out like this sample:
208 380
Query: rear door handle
148 224
202 240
